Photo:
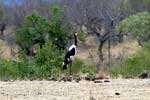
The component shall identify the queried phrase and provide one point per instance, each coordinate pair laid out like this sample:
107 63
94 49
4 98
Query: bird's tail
64 66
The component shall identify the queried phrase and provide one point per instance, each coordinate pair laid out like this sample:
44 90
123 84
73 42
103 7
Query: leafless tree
98 16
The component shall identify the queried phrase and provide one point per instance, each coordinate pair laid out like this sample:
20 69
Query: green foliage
134 6
80 67
60 30
37 68
134 65
52 36
138 24
47 63
7 70
147 2
34 30
77 65
49 59
17 69
37 29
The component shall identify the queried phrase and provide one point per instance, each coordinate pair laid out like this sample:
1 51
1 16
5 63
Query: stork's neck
75 40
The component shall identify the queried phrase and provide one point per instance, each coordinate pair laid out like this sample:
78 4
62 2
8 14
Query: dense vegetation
51 37
138 25
133 66
37 30
43 31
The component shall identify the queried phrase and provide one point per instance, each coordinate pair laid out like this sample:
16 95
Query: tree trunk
100 53
120 38
109 53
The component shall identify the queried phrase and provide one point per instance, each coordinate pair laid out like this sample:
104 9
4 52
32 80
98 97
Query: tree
134 6
48 60
33 31
60 29
138 25
37 29
98 16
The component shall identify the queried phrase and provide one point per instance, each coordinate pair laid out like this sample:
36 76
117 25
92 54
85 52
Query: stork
70 54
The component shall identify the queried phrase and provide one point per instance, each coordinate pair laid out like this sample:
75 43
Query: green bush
17 69
49 60
36 68
138 24
134 65
60 29
80 67
34 30
37 30
45 64
52 36
8 70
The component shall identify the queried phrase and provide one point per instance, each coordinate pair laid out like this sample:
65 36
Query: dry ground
129 89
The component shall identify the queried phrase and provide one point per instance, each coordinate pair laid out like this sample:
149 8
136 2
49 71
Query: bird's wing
72 52
71 47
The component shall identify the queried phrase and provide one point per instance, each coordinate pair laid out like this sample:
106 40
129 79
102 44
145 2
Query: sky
8 2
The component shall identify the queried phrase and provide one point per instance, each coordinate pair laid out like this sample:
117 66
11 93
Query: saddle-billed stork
70 54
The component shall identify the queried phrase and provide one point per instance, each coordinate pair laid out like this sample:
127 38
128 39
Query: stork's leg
70 68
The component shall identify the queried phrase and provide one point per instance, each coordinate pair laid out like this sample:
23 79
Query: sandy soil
118 89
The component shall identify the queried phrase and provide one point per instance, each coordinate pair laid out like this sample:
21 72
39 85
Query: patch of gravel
116 89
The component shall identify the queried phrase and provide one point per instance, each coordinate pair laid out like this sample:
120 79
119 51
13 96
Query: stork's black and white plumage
70 53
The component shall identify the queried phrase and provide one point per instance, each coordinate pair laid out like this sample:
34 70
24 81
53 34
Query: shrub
37 30
33 31
134 65
60 29
80 67
49 60
37 68
47 63
138 24
8 70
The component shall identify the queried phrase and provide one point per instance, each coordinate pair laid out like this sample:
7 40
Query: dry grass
5 50
126 48
102 75
89 51
8 48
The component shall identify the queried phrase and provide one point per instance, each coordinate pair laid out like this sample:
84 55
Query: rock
39 93
52 79
69 79
77 80
92 98
144 75
128 77
93 79
87 78
106 81
117 93
98 81
63 79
